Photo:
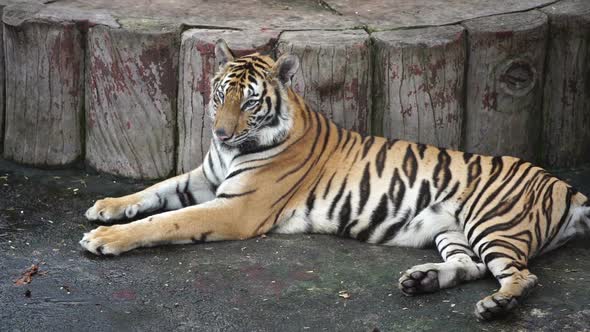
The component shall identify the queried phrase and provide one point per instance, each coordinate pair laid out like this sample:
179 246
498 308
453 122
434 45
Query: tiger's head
248 103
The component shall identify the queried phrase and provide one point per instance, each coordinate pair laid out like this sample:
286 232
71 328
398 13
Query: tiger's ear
285 67
223 54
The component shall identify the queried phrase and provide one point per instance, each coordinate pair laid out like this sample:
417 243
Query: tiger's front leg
184 190
219 219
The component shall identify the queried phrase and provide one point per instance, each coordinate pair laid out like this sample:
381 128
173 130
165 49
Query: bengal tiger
275 165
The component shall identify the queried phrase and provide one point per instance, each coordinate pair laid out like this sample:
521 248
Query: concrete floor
275 283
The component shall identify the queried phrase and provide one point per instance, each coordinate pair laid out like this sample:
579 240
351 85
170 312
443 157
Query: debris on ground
27 275
344 294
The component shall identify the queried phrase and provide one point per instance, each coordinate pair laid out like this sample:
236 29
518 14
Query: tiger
275 165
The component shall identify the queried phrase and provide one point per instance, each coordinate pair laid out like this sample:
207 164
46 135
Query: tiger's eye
251 103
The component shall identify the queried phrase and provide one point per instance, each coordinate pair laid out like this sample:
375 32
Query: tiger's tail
581 214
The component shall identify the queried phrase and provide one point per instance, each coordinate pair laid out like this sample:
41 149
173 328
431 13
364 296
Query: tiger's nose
221 134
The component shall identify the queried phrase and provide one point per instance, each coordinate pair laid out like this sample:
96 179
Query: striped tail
581 214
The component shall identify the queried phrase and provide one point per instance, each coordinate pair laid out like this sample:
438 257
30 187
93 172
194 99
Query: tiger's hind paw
419 279
495 306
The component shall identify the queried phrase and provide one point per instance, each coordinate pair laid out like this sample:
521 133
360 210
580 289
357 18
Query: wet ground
279 283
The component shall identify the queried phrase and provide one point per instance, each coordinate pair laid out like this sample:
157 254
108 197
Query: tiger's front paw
108 240
113 209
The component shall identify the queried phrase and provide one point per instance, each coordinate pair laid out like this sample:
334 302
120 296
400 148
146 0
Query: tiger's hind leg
516 282
460 265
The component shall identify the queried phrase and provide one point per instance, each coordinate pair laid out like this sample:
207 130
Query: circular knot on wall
517 77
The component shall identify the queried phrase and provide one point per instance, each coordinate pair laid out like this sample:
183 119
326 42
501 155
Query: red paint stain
415 70
303 276
407 112
352 89
490 99
254 271
504 34
128 125
124 294
205 48
156 64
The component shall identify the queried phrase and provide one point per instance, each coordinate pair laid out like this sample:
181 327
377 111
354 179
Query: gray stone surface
263 284
289 14
381 15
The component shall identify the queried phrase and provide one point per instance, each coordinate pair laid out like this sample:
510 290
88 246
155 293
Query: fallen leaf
344 294
27 275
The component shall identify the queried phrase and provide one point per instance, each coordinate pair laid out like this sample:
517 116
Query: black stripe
391 143
378 216
410 165
568 201
188 193
351 146
473 170
454 252
347 139
497 166
442 172
346 232
297 184
423 196
161 201
421 149
344 215
329 185
503 208
337 198
251 147
181 198
392 231
202 238
310 201
212 167
506 245
340 130
239 171
452 244
367 145
451 193
467 156
191 198
364 188
219 156
278 111
397 190
311 151
224 195
380 160
496 255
